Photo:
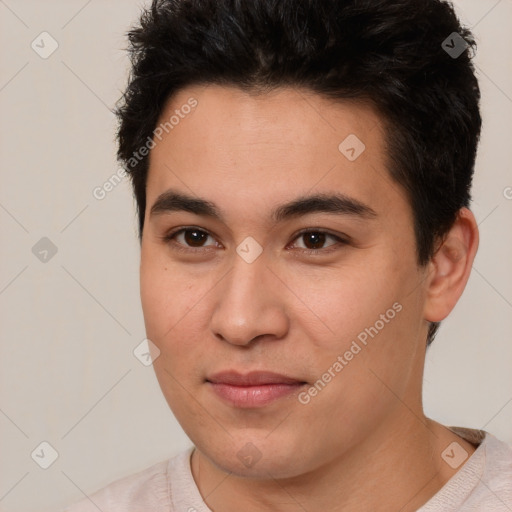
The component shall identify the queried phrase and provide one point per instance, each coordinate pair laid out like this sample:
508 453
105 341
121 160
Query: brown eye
191 238
194 237
314 240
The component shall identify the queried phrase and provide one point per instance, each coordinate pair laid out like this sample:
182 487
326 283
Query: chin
255 455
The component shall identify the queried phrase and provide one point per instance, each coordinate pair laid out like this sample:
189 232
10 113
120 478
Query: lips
255 389
251 379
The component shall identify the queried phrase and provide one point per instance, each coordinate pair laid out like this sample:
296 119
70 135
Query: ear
450 267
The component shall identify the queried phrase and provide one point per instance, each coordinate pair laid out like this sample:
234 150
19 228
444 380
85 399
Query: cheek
155 296
175 308
371 313
166 295
171 307
344 302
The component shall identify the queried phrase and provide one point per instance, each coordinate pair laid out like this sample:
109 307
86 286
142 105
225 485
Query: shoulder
483 483
139 492
495 486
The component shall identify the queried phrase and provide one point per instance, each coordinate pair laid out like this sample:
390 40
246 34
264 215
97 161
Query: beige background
69 325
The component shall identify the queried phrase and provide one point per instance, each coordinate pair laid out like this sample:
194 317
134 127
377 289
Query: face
274 243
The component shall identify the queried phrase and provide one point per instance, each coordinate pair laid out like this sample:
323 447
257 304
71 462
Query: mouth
251 390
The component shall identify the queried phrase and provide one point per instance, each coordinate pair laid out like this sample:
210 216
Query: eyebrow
338 204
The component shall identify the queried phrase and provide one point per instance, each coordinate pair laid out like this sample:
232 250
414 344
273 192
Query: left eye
314 240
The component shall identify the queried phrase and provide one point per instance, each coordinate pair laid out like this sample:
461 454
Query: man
302 172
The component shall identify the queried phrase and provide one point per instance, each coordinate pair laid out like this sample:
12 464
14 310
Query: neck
398 467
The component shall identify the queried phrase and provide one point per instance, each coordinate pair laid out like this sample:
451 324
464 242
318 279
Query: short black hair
410 59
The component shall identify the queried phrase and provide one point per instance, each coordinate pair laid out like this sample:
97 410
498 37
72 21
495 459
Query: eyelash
169 239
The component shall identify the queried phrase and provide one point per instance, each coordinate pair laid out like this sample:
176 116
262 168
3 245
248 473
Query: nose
249 305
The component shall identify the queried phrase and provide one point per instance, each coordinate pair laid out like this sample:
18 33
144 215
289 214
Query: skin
363 442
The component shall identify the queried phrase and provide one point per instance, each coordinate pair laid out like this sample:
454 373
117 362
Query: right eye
189 239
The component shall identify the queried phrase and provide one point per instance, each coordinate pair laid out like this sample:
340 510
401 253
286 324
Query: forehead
259 150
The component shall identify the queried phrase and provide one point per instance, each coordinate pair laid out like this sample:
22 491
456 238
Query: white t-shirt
483 483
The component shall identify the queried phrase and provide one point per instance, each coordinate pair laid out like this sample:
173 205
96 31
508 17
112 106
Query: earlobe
451 266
